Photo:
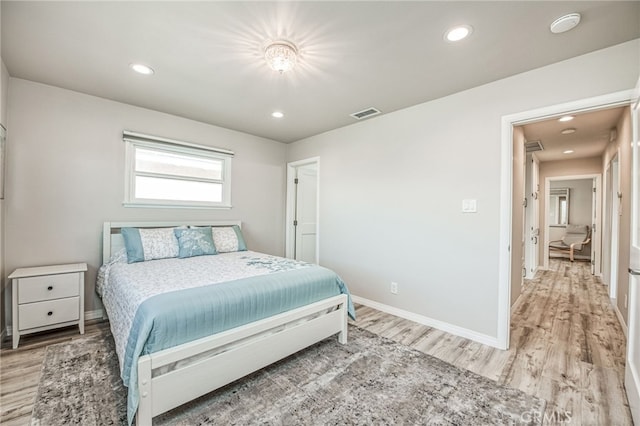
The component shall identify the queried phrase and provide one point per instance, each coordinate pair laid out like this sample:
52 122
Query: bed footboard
220 359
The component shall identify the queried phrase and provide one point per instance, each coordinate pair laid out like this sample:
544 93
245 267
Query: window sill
175 206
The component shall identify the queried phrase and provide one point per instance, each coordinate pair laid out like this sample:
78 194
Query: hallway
567 346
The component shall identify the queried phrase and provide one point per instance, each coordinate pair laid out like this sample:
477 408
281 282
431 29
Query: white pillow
159 243
228 239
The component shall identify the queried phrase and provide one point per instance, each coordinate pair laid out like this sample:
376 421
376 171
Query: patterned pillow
228 239
149 244
195 242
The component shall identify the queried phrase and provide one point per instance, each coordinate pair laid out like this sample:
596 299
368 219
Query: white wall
391 189
66 176
4 90
622 144
580 198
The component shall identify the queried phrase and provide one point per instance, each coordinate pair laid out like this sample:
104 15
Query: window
165 173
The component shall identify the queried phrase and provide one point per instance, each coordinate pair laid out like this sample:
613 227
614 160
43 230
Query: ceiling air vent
366 113
532 146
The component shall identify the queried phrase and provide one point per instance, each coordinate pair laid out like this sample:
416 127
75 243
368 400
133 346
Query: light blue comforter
271 285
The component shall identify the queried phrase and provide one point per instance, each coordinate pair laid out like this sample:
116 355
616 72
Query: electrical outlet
394 288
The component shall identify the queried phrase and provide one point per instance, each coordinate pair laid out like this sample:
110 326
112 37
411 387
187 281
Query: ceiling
208 56
593 131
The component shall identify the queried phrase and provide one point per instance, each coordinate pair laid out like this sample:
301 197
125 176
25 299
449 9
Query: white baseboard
88 315
621 320
430 322
518 299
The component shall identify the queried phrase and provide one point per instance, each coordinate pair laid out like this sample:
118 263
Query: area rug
370 380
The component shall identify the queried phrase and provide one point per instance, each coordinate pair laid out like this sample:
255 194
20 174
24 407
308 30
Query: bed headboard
112 240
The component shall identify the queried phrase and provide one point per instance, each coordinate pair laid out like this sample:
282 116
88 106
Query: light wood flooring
566 347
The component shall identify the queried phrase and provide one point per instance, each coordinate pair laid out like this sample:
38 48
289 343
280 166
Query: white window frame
134 140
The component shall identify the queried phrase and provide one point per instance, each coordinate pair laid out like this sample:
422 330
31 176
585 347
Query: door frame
595 241
290 233
632 364
506 188
611 223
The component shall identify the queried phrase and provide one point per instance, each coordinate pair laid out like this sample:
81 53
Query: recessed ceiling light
142 69
458 33
277 114
569 151
566 118
565 23
568 131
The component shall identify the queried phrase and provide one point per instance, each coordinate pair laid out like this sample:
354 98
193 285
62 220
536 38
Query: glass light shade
281 56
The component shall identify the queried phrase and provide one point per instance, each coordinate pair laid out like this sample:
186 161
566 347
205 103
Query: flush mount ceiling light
281 56
458 33
141 69
277 114
568 131
566 118
569 151
565 23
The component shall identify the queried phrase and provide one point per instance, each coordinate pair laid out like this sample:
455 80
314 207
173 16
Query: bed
187 325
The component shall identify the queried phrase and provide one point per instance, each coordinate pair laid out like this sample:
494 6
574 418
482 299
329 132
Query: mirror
559 207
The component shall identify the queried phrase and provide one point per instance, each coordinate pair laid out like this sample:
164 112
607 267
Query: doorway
582 200
508 233
302 239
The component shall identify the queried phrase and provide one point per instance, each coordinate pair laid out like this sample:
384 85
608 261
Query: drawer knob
50 313
50 288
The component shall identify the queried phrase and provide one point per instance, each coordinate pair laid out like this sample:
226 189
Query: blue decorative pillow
195 242
133 244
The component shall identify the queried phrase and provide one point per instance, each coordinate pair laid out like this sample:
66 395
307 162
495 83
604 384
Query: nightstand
47 297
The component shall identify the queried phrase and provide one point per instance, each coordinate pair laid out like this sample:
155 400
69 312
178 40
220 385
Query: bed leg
144 414
342 335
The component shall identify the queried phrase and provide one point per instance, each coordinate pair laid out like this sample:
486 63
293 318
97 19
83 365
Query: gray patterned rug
371 380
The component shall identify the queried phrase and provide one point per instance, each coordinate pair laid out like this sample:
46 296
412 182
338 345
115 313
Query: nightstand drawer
39 314
48 287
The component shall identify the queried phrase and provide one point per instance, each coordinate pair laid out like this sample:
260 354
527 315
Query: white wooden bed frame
227 356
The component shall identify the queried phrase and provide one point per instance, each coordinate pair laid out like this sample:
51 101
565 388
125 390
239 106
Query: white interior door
532 225
535 214
305 221
632 372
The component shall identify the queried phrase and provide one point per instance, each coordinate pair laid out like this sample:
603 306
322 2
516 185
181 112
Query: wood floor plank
600 387
564 403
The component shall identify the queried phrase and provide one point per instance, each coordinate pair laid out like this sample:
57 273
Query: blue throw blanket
170 319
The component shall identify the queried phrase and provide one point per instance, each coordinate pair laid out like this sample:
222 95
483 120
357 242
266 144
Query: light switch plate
469 206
